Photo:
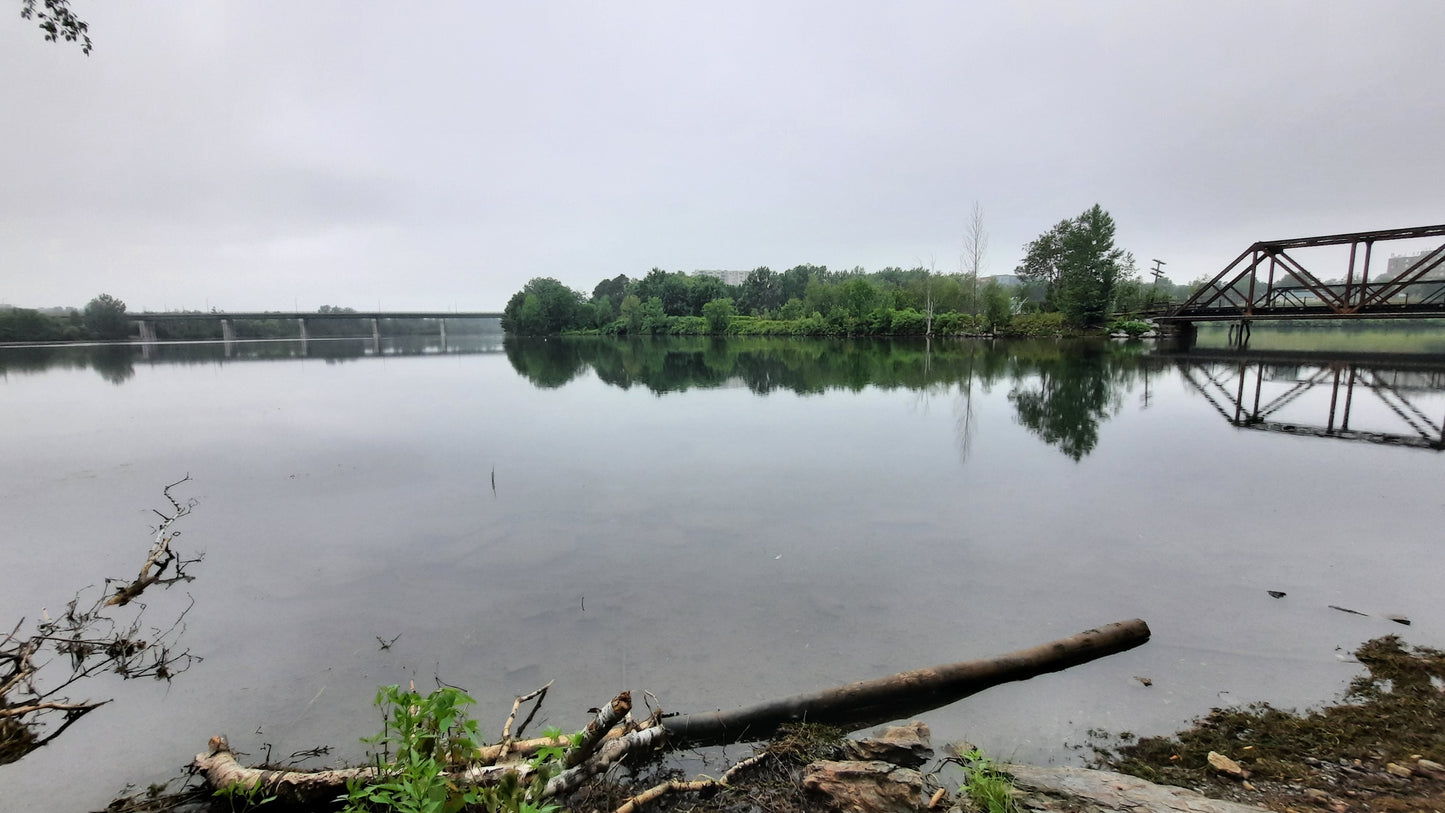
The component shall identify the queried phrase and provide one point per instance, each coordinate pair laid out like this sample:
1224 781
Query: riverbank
1379 748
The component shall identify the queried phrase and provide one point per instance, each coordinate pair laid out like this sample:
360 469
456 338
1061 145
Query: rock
1431 768
1277 594
1396 769
1226 766
1061 789
865 786
907 745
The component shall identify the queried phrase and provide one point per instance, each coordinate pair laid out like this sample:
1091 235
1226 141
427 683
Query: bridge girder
1237 292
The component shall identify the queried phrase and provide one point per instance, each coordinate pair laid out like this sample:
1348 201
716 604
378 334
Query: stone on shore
1076 790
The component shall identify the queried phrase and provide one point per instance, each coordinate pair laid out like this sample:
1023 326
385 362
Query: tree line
102 319
1072 277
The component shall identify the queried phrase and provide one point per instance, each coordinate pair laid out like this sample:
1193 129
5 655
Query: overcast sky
277 155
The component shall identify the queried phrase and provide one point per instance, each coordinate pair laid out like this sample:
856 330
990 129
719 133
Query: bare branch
94 642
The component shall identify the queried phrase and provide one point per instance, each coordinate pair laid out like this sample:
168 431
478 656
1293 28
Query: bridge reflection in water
1392 402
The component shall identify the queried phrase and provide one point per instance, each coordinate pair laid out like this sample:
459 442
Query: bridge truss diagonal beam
1243 289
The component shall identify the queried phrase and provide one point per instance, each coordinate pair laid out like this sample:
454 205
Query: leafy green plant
1133 327
987 788
241 798
420 738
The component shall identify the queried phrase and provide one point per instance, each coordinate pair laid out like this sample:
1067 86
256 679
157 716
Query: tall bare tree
975 249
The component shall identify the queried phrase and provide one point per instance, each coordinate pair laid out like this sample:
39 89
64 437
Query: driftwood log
870 702
850 707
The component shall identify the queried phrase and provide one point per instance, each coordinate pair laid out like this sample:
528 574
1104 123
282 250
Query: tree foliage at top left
57 21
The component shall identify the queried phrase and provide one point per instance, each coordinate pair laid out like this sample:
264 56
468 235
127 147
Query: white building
728 277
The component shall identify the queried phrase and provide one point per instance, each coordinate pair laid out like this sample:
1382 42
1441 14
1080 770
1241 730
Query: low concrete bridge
1267 282
146 321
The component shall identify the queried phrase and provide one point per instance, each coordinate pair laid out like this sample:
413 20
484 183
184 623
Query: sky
269 155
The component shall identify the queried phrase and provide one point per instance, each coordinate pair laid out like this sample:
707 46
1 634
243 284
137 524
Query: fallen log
871 702
850 707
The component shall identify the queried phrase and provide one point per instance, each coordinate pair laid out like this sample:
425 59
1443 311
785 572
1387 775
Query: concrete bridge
146 322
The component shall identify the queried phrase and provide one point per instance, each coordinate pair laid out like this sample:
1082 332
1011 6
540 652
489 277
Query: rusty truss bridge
1395 403
1267 281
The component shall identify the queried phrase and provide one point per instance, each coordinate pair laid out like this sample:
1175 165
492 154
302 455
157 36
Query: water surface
716 522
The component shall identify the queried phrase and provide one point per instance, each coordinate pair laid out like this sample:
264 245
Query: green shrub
1036 325
909 322
689 326
1133 327
428 734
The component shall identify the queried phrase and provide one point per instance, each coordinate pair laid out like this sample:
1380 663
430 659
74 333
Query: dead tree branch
608 717
539 695
94 641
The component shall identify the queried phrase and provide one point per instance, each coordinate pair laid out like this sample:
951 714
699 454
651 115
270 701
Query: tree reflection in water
1061 391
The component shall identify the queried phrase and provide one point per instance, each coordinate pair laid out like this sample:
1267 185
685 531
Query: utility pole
1157 272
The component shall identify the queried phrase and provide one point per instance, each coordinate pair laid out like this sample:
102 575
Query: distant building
1399 262
728 277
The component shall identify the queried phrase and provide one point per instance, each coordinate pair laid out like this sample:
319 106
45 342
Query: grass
987 789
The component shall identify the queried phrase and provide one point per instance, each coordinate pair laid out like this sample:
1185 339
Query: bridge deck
261 315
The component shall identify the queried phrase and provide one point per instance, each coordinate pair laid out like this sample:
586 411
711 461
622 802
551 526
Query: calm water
715 522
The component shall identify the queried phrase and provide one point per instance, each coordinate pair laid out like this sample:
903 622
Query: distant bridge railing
147 321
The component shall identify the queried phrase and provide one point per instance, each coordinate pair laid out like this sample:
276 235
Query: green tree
654 316
57 21
104 318
717 313
1043 261
614 289
704 290
1079 265
676 295
631 312
544 305
793 284
859 296
997 305
604 313
762 291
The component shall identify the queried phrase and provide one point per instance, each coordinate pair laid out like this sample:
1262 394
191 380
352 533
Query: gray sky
253 154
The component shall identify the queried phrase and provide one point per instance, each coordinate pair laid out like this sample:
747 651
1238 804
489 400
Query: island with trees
1072 278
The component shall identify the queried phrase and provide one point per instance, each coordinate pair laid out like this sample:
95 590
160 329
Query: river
714 522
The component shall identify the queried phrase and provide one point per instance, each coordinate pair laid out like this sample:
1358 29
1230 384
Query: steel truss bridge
1394 402
1266 281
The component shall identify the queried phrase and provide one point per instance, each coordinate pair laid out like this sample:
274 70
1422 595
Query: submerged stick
870 702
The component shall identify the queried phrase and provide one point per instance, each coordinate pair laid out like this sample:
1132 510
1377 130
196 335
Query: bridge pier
147 331
301 332
376 332
1186 334
1239 333
444 333
228 331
